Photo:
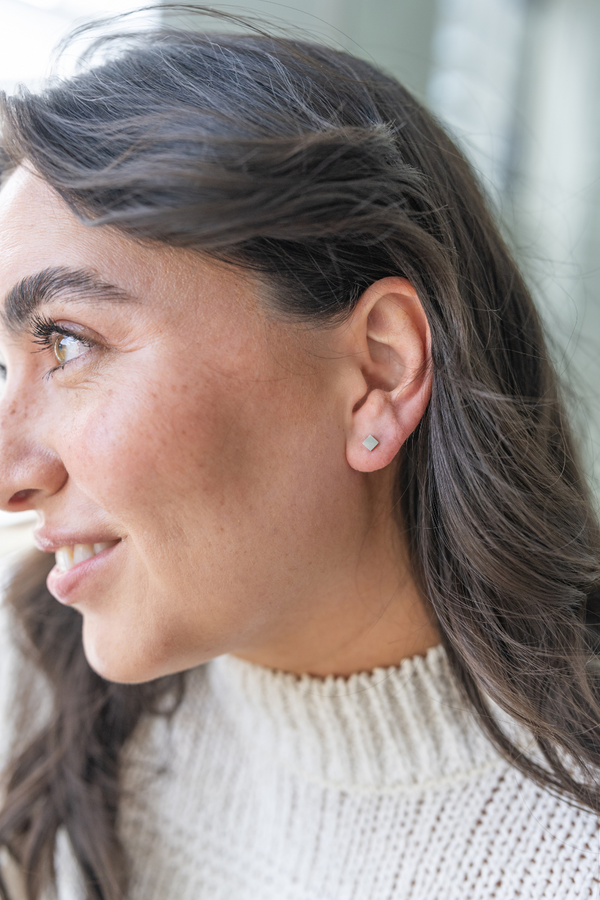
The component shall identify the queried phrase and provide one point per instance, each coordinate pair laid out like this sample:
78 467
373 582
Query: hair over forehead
290 158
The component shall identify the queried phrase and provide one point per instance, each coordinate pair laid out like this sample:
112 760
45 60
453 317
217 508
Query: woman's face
198 438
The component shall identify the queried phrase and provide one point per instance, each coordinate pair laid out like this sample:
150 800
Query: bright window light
29 32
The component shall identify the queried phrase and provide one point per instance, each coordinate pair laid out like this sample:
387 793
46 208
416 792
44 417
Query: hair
322 174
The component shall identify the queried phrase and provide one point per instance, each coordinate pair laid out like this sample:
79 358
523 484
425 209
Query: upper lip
50 540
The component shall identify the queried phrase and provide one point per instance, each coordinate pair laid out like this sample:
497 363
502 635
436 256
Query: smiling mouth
67 557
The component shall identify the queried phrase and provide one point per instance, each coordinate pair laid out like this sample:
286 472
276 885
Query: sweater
381 786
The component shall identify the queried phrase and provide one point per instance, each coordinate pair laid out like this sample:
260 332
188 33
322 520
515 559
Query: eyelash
45 331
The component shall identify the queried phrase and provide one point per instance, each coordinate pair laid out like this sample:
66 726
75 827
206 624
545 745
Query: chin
115 657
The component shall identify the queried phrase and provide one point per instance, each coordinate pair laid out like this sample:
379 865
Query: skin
223 447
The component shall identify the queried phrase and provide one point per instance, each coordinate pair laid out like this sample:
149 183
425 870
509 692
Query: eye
67 348
64 343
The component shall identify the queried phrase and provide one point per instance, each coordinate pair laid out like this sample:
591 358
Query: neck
366 613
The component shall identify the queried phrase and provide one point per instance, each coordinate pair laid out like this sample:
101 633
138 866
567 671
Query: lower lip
68 587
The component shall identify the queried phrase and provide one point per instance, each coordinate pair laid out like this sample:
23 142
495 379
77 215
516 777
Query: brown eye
67 348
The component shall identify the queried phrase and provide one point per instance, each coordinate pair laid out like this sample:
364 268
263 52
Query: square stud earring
370 442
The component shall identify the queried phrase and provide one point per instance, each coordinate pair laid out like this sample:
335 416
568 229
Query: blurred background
517 82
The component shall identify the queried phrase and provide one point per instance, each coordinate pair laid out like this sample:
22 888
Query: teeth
64 559
98 548
81 552
67 557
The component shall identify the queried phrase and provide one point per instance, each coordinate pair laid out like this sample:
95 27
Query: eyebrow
77 285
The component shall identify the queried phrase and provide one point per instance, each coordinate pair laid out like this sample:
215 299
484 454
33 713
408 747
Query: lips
81 569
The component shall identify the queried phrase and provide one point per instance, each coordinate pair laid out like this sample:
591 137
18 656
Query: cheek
128 447
160 445
213 464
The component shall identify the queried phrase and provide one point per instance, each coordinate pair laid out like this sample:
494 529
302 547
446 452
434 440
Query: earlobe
376 417
391 330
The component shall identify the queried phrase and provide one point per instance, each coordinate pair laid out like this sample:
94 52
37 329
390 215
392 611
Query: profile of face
202 457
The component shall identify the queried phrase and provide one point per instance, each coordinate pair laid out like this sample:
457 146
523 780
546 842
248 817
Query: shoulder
523 839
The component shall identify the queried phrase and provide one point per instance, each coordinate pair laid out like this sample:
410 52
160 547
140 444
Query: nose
30 471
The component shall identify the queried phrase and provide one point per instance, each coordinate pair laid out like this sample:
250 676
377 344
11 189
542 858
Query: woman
325 562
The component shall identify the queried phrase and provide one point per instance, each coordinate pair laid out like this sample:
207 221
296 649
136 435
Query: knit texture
265 786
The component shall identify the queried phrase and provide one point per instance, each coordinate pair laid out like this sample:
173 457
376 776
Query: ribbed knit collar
387 729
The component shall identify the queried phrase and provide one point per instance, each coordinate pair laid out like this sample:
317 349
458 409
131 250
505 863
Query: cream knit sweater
264 786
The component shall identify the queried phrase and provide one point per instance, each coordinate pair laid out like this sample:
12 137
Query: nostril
20 497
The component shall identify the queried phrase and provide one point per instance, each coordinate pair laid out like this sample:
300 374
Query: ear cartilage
370 442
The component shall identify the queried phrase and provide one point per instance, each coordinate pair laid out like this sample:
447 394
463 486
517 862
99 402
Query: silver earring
370 442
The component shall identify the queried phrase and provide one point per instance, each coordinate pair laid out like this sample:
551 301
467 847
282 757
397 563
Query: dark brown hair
322 174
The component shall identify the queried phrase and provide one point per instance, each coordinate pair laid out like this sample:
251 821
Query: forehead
39 232
32 213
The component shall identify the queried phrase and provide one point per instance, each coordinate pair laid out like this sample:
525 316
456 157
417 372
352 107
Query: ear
393 355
